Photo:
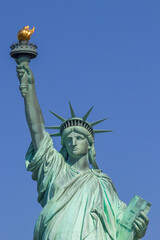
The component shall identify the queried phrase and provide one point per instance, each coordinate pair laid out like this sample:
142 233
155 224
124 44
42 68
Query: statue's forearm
34 117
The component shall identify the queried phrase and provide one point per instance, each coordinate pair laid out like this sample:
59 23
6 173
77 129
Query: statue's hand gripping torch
23 75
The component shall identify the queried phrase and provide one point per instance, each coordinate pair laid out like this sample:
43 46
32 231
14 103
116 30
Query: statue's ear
90 146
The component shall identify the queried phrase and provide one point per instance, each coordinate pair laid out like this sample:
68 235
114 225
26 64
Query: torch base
23 49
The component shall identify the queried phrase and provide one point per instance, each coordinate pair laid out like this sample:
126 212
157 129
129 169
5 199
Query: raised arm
32 109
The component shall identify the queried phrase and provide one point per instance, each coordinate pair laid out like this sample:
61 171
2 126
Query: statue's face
76 145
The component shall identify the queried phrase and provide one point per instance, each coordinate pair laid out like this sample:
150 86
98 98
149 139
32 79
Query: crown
75 121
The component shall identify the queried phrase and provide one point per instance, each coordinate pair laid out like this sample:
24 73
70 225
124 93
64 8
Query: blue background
102 53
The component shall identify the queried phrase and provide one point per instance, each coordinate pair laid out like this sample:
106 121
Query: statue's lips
74 148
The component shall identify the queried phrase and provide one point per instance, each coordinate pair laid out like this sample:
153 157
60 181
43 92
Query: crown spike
59 117
87 114
95 123
71 110
53 127
55 135
101 131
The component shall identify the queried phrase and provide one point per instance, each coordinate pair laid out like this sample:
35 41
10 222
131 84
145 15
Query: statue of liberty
79 202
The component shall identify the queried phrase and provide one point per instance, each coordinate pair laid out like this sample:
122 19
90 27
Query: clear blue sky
102 53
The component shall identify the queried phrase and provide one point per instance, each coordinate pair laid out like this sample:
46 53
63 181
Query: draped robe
76 205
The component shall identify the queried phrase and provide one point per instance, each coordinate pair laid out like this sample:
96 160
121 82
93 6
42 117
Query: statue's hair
90 139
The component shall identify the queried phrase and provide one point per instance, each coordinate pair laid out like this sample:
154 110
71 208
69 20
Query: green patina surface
78 203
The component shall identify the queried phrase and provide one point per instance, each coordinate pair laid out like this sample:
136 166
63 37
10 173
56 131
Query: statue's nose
74 141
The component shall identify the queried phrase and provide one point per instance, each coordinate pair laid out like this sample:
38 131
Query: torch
23 51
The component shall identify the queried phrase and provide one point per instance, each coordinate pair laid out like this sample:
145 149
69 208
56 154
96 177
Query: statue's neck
79 164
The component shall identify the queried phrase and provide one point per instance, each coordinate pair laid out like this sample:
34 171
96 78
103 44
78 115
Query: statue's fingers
138 223
144 217
20 76
27 68
136 227
141 221
20 73
19 66
20 70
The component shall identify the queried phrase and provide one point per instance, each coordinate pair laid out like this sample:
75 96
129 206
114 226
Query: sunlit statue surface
79 202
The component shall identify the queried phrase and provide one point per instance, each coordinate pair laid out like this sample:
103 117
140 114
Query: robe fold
76 205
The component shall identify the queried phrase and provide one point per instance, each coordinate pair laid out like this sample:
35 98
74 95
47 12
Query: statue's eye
79 138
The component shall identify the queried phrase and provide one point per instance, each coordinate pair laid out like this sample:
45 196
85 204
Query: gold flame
25 33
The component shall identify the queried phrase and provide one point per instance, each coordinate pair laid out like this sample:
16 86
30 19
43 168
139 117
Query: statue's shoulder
104 178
